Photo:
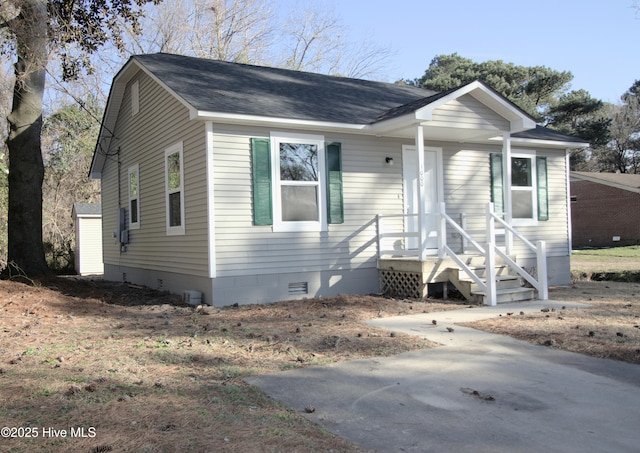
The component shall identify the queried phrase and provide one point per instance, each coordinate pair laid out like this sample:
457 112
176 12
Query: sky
596 40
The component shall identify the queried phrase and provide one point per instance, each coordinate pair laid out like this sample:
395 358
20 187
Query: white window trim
278 224
180 229
134 169
534 189
135 98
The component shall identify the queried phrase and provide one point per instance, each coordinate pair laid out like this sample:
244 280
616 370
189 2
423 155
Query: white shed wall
88 258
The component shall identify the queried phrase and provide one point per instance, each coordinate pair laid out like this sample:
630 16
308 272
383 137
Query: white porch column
422 195
506 187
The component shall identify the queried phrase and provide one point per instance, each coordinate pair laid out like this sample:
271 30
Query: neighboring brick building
605 209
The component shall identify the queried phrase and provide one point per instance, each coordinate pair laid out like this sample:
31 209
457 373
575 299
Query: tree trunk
26 169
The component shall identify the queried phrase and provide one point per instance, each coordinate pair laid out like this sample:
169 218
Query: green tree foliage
533 89
577 113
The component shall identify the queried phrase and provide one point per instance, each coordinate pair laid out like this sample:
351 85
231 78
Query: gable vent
299 288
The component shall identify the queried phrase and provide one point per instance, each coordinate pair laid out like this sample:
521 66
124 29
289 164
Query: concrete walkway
481 392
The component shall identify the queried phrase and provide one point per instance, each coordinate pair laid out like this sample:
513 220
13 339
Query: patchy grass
93 366
609 264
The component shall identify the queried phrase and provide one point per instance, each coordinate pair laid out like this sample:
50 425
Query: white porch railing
539 249
385 233
489 249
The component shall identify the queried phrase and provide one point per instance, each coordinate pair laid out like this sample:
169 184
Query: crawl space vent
299 288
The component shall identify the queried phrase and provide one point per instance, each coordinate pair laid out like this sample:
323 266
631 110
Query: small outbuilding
87 219
605 209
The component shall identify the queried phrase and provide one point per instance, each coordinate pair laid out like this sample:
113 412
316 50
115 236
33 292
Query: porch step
508 287
502 282
507 295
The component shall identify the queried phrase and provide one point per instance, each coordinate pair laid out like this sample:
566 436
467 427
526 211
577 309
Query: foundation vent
299 288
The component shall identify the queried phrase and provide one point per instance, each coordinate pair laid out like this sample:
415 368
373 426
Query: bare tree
69 137
248 31
622 153
230 30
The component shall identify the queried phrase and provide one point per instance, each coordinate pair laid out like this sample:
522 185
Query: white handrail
458 228
513 231
400 234
541 284
488 250
489 285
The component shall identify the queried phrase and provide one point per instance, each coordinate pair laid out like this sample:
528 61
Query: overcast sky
596 40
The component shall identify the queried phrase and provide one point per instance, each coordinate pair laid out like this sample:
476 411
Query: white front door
432 190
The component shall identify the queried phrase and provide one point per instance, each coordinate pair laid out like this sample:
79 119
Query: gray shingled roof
87 208
627 181
218 86
223 87
544 133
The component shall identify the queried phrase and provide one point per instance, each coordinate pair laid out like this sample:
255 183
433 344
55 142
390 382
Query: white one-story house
252 184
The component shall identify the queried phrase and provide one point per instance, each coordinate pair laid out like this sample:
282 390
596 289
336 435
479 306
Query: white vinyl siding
88 245
369 186
143 142
468 112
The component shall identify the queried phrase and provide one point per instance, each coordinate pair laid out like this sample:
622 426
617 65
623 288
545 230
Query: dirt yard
94 366
90 366
609 328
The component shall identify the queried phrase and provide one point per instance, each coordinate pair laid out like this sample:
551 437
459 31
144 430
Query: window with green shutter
297 182
529 186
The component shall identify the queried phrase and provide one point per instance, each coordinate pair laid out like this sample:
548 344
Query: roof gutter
237 118
546 143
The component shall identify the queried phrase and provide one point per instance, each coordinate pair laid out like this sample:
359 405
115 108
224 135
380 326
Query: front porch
484 272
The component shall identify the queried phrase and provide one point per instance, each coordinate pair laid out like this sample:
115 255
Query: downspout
568 182
422 195
211 230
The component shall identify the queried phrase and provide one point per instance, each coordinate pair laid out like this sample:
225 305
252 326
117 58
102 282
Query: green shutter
497 195
335 208
543 189
261 173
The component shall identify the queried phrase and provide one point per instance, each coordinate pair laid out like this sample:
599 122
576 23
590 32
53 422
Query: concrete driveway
480 392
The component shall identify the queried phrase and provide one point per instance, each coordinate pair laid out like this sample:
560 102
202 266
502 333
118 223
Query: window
529 191
298 188
174 181
297 182
135 98
134 196
522 199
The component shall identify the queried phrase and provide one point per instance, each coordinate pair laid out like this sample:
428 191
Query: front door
432 186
